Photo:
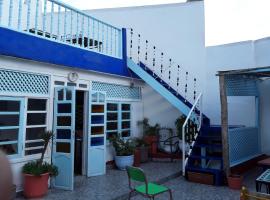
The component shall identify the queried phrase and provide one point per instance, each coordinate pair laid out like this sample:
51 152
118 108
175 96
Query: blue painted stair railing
205 154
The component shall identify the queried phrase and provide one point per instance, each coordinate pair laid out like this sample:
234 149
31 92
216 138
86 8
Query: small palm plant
40 167
36 173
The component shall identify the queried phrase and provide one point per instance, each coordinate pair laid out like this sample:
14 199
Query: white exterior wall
176 29
179 30
226 57
242 110
262 58
60 73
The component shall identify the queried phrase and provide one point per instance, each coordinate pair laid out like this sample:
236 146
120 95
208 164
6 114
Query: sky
226 21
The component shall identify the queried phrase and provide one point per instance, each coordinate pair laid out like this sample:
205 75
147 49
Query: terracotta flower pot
35 186
144 154
151 140
235 182
137 158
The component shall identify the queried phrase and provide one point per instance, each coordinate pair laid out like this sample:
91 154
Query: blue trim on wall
22 45
124 45
181 106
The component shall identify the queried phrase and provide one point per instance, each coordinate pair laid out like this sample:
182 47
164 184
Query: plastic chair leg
170 192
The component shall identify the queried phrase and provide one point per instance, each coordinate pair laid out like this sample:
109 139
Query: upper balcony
53 32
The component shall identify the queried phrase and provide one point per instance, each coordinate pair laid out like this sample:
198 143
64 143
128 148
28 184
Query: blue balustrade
244 144
54 20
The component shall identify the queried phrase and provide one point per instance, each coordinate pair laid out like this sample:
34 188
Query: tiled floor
114 185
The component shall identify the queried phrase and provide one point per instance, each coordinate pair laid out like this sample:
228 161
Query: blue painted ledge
27 46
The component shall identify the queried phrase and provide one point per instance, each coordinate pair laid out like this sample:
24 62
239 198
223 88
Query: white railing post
58 23
115 42
82 31
1 10
183 149
77 29
10 13
190 114
44 17
36 16
100 36
120 43
93 35
19 25
107 40
71 26
111 43
52 16
28 15
88 32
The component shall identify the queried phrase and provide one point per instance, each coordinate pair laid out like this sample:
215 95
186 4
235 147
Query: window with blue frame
16 120
36 123
11 125
118 119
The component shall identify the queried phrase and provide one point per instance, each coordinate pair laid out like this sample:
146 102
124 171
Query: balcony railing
62 23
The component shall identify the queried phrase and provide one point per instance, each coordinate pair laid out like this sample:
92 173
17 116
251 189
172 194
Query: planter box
201 178
144 154
151 140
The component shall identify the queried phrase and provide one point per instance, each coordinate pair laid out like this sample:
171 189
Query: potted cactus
36 173
124 150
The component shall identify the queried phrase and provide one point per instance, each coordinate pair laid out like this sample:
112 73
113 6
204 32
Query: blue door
96 164
63 141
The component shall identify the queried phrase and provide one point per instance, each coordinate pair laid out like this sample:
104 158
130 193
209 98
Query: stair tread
203 169
208 145
209 136
206 157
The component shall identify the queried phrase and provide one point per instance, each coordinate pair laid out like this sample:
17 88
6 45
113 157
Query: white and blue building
86 79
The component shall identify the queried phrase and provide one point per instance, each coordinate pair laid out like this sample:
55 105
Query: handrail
193 109
62 23
175 74
82 13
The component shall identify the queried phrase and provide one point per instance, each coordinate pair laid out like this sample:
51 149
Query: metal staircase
174 83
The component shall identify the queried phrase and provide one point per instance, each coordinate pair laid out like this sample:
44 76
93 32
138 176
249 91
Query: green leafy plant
123 147
140 142
40 167
149 130
191 128
179 122
34 168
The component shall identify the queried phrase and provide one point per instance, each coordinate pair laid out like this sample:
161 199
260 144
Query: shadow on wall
157 109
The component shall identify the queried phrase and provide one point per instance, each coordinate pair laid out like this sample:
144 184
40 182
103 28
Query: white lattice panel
20 82
118 91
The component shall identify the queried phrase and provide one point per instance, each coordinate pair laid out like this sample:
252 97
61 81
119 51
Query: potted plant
179 122
36 173
150 134
124 150
137 157
143 148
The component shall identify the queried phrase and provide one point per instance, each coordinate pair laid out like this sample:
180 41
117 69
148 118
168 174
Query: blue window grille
11 125
239 86
118 119
21 82
243 144
115 91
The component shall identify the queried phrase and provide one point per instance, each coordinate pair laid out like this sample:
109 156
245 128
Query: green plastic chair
149 190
